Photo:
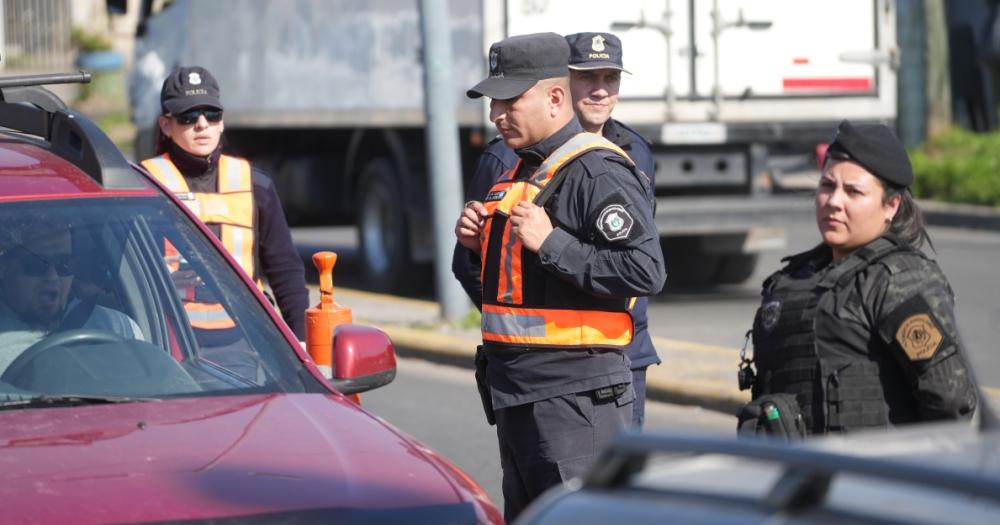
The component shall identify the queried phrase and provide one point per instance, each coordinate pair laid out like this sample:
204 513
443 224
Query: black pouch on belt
484 386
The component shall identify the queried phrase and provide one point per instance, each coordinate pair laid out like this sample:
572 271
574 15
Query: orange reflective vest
231 209
513 315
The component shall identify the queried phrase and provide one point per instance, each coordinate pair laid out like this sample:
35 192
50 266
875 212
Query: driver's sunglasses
35 265
191 116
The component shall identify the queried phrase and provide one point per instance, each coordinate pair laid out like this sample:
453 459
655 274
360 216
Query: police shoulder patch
770 312
919 336
614 222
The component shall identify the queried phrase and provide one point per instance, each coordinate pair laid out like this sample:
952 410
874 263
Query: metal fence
35 35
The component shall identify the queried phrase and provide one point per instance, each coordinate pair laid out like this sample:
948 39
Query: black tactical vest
837 388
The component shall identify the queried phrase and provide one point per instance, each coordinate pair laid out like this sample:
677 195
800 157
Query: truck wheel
687 264
734 268
288 174
382 228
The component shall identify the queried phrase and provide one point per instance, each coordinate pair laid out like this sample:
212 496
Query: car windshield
124 297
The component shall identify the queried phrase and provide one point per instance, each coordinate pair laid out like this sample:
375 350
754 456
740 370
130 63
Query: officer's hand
531 224
469 225
185 279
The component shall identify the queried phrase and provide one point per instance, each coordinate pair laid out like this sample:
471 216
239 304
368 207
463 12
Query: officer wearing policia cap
236 201
860 331
595 64
566 241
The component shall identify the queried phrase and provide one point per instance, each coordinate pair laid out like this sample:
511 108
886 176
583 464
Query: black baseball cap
595 51
519 62
189 87
876 148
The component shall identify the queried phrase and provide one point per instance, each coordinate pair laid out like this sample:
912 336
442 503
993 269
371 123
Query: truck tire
382 229
288 174
734 268
687 264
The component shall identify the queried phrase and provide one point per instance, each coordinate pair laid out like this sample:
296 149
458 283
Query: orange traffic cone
322 319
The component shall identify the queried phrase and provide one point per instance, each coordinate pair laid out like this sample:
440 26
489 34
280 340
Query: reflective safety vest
544 311
231 209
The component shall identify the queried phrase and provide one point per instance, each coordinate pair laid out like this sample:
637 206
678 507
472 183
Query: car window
135 303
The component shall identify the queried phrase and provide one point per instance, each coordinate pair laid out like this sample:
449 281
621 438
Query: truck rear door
739 61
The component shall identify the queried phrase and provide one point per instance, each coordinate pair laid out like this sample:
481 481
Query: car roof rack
807 475
27 107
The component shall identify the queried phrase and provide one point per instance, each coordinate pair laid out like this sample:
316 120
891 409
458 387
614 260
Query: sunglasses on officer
32 264
191 116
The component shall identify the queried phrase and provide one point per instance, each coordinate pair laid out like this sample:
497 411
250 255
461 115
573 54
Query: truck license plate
693 133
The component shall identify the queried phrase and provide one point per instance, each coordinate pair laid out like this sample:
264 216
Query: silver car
922 474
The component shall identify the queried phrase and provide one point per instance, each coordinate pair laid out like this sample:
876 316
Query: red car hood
212 457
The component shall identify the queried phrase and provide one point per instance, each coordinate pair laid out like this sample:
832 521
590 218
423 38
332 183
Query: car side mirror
363 359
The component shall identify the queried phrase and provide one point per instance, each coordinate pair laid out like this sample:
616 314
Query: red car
144 378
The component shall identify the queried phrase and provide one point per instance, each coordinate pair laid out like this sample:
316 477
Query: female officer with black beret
860 331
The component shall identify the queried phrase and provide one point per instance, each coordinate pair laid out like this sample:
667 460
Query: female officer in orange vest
237 202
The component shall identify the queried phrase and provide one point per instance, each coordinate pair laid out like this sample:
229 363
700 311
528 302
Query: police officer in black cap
566 241
595 64
860 331
237 201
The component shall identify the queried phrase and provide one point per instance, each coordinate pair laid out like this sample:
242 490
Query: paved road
438 405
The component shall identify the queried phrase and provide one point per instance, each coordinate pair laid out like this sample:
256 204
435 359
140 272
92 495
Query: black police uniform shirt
575 253
276 255
895 312
495 160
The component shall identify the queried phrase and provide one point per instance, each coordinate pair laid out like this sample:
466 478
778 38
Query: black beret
876 148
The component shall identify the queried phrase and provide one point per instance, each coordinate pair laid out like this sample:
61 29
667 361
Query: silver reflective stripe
230 182
207 316
580 140
238 249
508 263
512 324
175 181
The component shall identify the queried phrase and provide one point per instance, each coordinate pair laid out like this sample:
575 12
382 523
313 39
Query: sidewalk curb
460 351
669 382
960 215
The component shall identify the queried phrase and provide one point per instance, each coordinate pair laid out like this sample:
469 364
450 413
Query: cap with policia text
519 62
189 87
876 148
595 51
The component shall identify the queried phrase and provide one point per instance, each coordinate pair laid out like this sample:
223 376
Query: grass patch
959 166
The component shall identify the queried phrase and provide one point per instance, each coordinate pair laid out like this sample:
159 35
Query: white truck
734 96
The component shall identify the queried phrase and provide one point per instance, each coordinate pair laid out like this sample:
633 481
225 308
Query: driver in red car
36 278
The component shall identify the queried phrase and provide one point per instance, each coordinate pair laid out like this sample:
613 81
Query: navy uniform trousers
545 443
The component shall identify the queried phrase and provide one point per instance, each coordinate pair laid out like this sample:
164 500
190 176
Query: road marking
663 342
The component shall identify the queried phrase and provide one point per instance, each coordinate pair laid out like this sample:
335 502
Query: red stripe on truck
827 84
